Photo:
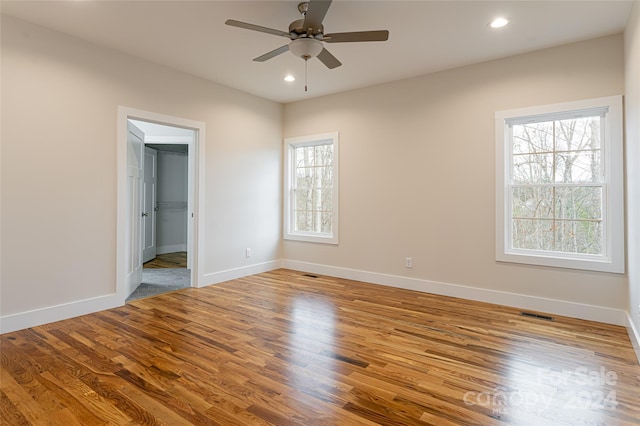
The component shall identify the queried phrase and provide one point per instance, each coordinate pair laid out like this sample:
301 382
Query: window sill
597 264
312 238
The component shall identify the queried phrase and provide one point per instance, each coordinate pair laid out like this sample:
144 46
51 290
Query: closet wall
171 219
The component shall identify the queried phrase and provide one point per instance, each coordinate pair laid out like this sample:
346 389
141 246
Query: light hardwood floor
283 348
168 260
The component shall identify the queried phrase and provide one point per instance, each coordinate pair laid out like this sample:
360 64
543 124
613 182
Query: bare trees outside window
313 191
557 186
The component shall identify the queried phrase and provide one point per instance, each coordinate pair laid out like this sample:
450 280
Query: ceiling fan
307 35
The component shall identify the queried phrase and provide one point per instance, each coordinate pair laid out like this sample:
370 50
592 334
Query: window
559 185
311 189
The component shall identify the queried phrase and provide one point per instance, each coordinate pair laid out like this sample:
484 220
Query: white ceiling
425 36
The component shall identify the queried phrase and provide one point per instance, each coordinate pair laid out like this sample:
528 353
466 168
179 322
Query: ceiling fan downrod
303 7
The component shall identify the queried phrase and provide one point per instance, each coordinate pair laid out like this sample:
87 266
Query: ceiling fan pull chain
306 60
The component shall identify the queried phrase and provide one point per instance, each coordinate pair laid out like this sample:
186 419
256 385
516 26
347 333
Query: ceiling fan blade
273 53
328 59
382 35
316 13
258 28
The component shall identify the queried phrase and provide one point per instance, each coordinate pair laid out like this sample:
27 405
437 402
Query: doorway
157 203
165 189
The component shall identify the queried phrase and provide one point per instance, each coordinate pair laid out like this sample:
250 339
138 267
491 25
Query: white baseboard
634 335
46 315
174 248
22 320
521 301
232 274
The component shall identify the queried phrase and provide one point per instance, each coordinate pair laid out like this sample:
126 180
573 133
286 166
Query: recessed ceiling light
289 78
498 22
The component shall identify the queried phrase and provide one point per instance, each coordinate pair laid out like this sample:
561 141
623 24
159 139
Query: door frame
196 177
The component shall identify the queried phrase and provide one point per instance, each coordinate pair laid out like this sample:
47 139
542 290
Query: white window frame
289 179
612 258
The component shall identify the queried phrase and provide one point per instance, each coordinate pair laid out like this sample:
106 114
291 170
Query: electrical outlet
247 253
408 262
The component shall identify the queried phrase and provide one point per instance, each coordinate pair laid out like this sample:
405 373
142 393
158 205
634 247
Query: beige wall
417 171
59 115
632 116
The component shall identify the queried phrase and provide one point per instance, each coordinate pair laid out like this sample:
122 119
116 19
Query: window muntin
311 193
559 185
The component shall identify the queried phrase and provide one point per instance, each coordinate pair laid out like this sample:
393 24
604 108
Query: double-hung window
311 188
559 194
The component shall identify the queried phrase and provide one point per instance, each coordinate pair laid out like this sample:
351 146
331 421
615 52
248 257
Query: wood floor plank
18 402
9 413
283 348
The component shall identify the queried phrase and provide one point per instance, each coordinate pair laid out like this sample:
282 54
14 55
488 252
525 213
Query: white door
133 253
149 203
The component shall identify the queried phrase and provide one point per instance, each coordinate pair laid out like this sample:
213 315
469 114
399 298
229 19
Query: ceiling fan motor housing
297 29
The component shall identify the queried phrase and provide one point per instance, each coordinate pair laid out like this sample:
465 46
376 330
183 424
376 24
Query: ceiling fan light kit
305 48
307 35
